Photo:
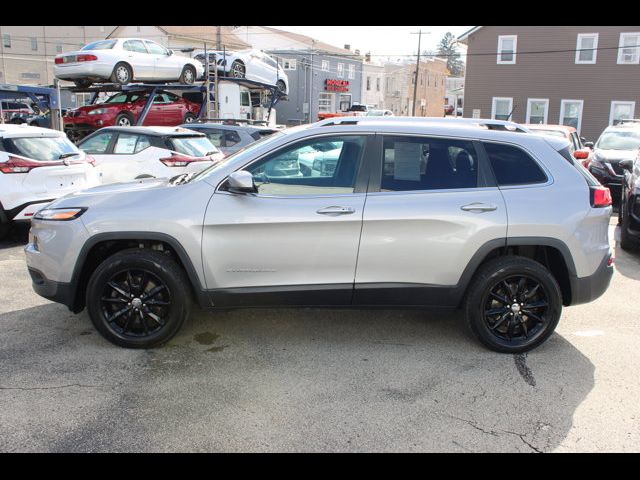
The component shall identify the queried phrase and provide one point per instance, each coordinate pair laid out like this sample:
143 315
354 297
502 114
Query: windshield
41 148
199 146
246 151
101 45
619 140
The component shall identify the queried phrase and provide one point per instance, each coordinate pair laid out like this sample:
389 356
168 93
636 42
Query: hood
614 155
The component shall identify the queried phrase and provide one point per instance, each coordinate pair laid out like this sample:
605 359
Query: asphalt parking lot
317 380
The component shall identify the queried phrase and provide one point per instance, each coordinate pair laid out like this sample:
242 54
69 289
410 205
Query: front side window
512 165
320 166
129 144
135 46
231 138
629 48
586 48
507 49
97 145
423 163
571 113
621 111
502 108
537 109
156 49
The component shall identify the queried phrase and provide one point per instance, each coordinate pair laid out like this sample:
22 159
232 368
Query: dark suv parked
629 211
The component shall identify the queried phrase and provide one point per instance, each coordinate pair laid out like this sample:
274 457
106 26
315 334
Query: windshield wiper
65 155
182 178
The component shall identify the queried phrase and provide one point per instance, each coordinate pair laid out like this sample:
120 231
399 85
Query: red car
123 109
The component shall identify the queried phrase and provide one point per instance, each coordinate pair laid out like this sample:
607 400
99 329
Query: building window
628 50
571 113
621 111
102 28
345 101
501 108
288 63
507 49
325 102
340 70
537 110
59 48
325 65
378 84
30 76
137 28
352 71
34 44
586 48
368 83
6 40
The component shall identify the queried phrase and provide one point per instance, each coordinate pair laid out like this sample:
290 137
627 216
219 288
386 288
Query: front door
432 204
295 241
138 57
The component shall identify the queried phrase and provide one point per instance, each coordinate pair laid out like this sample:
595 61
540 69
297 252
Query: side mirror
627 164
169 52
241 182
588 144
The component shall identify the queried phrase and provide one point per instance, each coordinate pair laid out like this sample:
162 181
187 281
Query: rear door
432 204
137 55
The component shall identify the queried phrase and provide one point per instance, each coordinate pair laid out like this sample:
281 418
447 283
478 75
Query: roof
13 130
546 126
226 126
463 38
310 42
155 131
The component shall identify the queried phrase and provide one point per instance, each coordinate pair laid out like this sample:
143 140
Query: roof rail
233 121
489 124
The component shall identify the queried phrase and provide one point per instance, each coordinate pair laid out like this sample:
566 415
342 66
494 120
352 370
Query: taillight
59 60
86 58
600 197
23 165
176 160
580 154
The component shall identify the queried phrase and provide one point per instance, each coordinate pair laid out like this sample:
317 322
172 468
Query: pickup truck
355 110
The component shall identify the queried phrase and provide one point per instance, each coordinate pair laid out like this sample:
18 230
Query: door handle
335 211
478 207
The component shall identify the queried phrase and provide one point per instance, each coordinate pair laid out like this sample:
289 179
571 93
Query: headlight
97 111
63 214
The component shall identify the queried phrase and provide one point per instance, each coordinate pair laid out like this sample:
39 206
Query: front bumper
587 289
55 291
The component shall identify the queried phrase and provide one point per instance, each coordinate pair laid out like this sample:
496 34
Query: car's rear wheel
138 298
83 83
238 69
513 304
124 119
122 74
188 75
281 86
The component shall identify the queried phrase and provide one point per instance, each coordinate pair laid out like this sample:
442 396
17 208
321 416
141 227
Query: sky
379 40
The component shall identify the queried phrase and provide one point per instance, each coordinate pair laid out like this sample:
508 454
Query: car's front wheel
188 75
124 120
282 86
513 304
238 69
138 298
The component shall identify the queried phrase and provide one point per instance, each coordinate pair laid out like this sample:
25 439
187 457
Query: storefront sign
336 85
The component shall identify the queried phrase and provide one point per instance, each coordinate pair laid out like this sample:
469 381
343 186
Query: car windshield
243 152
196 146
553 133
101 45
619 140
42 148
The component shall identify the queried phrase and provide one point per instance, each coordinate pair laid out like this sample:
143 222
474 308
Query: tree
448 49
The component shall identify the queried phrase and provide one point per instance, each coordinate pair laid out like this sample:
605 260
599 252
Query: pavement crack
56 387
523 369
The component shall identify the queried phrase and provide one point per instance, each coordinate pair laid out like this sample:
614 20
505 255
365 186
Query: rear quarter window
512 165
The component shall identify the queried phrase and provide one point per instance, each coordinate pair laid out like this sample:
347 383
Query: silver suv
371 212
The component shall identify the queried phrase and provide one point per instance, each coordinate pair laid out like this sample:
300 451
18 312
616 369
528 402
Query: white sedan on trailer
124 60
250 64
37 166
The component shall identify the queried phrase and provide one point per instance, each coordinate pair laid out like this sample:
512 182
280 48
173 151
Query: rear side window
590 179
231 138
513 166
423 163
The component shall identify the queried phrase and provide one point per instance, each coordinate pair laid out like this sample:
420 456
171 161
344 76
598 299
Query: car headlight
98 111
59 214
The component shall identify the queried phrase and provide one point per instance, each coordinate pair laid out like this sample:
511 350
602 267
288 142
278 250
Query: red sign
336 85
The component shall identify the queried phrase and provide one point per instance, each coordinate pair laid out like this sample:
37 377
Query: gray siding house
586 77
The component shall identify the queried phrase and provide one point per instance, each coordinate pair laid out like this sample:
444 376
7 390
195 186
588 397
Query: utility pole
218 38
311 80
415 86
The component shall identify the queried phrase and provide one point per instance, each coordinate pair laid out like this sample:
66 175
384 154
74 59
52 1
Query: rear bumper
55 291
92 70
587 289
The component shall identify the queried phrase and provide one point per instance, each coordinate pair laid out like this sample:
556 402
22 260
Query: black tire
143 176
189 118
151 276
238 70
122 74
523 331
281 86
124 119
627 242
83 83
188 75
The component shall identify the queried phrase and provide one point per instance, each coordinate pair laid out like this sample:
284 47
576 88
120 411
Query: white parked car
123 154
123 60
250 64
37 166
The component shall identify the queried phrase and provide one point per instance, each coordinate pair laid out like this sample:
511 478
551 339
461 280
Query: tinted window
422 163
590 179
326 165
215 136
135 46
98 144
231 138
513 166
